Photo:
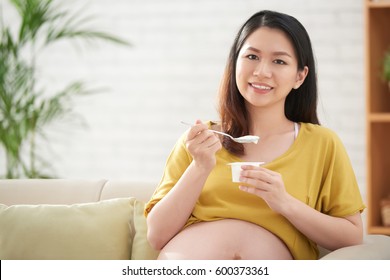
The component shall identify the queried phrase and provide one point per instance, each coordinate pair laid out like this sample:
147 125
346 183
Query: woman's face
267 68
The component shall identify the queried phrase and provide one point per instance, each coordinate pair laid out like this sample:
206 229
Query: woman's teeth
261 87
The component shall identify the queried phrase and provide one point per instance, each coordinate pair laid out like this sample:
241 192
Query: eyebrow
274 53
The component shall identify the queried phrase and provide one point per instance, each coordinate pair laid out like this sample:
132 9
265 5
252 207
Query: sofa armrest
374 247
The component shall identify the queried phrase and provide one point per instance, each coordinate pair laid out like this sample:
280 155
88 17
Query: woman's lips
261 88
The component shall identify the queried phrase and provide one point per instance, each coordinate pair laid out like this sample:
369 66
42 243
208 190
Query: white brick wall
172 73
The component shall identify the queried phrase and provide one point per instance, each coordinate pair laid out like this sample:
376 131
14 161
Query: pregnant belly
226 239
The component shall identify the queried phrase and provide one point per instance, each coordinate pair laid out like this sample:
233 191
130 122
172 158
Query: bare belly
226 239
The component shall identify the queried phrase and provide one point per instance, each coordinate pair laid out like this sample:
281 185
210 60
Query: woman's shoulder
320 140
319 133
317 129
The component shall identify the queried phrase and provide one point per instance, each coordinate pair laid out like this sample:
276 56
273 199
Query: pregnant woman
306 193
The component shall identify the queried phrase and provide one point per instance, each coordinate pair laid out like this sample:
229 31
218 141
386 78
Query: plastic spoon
242 139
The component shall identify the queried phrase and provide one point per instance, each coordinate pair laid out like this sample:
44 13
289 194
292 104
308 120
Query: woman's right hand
202 145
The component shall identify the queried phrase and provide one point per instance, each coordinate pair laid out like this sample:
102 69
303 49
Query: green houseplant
25 108
386 68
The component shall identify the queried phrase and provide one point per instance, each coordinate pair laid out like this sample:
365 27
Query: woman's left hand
266 184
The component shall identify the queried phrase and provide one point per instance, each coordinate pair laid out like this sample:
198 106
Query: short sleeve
176 164
339 195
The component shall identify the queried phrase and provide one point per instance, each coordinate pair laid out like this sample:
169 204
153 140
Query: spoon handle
222 133
215 131
187 124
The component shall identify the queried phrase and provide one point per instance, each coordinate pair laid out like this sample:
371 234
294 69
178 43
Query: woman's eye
279 61
252 57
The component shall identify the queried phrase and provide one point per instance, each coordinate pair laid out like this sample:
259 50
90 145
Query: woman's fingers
202 144
265 170
257 184
254 174
200 134
204 138
251 190
196 130
266 184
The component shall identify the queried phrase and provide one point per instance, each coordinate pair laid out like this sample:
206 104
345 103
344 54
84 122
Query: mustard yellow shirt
316 170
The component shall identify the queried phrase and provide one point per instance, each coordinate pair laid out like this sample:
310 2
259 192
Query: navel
237 256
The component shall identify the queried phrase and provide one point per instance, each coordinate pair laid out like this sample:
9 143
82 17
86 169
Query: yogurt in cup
236 168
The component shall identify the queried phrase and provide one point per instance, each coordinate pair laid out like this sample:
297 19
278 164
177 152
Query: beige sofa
98 219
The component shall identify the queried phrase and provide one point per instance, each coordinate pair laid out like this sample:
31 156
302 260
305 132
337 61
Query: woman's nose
262 70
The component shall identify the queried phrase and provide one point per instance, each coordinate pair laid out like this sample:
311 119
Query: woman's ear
301 76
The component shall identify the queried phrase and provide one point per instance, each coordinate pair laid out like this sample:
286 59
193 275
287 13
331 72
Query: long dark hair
301 103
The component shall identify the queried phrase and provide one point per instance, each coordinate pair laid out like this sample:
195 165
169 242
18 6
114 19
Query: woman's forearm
170 214
327 231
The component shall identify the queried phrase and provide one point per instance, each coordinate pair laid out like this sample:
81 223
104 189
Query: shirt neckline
297 137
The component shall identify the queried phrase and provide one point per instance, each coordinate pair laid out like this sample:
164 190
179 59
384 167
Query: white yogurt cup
236 168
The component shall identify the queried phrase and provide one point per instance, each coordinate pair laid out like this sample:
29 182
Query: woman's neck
265 123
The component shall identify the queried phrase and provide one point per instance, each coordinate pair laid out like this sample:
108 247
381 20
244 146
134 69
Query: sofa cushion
141 249
98 230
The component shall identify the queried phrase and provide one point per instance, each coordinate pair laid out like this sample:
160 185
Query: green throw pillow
141 249
100 230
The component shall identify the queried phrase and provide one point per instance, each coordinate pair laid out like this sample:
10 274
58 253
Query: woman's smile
261 88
